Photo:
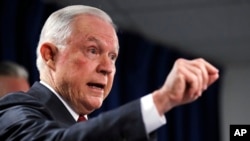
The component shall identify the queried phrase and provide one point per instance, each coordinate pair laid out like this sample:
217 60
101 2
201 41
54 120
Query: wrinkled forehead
94 28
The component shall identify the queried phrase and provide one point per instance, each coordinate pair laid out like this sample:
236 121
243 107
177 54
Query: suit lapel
55 107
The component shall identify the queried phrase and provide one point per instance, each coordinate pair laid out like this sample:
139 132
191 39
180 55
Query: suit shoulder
18 98
21 106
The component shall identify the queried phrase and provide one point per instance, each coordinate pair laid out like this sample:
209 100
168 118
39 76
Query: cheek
24 86
81 63
72 65
109 85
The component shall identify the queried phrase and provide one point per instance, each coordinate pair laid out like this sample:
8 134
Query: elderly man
76 58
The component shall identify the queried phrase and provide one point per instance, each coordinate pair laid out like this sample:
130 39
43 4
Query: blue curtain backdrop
142 67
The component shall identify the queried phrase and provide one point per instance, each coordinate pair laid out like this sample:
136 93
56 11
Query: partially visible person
13 77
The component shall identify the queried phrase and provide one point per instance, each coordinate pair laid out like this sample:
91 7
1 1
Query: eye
113 56
93 50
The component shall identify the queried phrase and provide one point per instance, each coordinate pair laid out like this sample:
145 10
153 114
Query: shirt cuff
151 117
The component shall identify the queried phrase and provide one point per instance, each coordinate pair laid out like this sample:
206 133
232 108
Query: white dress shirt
151 118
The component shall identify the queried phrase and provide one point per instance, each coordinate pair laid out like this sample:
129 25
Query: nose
106 66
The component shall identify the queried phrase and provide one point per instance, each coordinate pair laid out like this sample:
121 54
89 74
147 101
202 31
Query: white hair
57 27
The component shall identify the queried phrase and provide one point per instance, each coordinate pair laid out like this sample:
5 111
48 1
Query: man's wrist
151 117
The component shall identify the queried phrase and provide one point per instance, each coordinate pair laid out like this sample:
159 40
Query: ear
48 52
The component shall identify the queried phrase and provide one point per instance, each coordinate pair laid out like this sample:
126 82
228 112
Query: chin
89 104
96 103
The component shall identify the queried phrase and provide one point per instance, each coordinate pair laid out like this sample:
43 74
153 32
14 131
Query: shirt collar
71 111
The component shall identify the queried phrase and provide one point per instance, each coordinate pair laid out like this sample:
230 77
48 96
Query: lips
96 85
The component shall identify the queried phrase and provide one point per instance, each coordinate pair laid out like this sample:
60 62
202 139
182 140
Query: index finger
213 72
210 68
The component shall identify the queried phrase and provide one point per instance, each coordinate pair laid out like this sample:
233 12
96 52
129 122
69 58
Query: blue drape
20 26
142 67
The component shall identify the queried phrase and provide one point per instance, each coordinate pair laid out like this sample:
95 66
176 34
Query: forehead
11 79
89 26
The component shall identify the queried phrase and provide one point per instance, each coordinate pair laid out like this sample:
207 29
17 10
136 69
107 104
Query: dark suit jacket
40 115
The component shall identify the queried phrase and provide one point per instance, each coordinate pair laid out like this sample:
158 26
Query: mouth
96 85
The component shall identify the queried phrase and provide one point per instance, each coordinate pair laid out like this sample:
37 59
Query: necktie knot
81 118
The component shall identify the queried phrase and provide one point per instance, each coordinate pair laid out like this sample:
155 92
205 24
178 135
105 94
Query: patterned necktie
81 118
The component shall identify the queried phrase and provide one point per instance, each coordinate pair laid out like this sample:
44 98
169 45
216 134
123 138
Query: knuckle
199 72
180 60
200 59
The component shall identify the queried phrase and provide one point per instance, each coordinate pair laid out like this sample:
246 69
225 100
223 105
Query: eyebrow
92 38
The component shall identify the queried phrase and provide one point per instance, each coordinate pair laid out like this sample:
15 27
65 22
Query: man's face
12 84
85 69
